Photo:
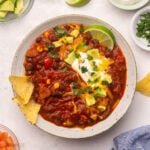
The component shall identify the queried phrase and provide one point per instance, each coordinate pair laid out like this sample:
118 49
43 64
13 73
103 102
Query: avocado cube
2 1
71 58
19 6
3 14
13 1
7 6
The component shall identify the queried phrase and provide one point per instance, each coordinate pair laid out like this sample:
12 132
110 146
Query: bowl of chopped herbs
140 28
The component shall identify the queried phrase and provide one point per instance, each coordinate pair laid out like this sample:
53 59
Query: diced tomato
48 62
6 142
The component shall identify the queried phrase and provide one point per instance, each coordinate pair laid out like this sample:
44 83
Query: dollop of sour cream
128 2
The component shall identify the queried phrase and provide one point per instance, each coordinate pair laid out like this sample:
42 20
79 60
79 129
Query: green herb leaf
89 89
50 46
77 92
74 84
81 28
64 69
81 45
60 31
104 82
53 54
89 57
77 55
84 69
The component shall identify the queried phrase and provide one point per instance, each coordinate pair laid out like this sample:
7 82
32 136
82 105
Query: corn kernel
46 34
45 48
39 49
56 85
48 81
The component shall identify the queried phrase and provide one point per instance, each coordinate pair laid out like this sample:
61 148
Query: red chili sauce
54 79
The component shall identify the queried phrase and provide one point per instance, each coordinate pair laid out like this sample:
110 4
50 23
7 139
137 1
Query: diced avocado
99 93
74 33
7 6
94 53
2 1
13 1
71 58
57 43
3 14
90 100
19 6
107 79
102 108
69 39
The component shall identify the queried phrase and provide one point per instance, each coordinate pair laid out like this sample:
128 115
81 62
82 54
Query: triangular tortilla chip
30 110
22 87
143 86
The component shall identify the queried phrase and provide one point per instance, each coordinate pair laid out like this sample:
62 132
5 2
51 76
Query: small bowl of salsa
8 140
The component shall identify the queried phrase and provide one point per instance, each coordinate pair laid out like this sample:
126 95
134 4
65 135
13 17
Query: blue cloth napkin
137 139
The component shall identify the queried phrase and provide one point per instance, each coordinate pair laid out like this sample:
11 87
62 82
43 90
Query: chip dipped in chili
77 81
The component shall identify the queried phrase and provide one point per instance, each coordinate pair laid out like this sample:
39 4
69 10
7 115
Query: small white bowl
139 41
130 6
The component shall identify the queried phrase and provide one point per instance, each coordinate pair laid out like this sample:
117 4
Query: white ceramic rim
130 85
129 7
134 21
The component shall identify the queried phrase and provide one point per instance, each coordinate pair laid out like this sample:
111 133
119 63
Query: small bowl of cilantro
13 9
140 28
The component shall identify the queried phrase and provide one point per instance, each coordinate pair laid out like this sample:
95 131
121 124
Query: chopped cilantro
96 80
74 84
50 46
60 31
89 57
84 69
104 82
64 69
89 81
92 73
77 92
81 45
53 54
95 68
81 28
77 55
89 89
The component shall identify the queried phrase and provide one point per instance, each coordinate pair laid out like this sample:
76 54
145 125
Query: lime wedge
77 3
103 34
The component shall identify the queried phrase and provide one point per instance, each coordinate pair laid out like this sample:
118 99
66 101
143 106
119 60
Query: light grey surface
11 34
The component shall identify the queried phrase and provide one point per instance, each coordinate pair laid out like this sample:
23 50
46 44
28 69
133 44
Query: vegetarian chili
74 91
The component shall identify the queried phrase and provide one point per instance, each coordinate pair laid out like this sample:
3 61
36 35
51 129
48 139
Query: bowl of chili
47 56
8 140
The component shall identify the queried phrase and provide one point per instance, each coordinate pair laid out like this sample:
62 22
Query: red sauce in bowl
60 89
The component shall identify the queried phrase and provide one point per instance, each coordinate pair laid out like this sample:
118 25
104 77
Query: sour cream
128 2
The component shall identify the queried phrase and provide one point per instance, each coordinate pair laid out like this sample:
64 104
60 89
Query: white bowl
131 6
139 41
18 69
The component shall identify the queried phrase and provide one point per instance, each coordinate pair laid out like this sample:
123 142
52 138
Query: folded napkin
137 139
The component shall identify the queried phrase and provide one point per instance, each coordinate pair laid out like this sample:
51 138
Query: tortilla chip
30 110
22 87
18 100
143 86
